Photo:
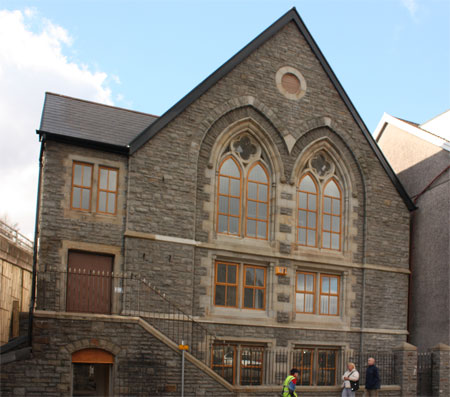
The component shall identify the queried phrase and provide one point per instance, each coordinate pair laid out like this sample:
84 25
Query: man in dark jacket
372 379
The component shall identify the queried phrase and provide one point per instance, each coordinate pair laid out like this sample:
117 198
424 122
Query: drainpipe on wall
35 248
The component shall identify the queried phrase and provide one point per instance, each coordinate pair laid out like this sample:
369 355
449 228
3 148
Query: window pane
333 305
252 191
220 295
102 201
327 204
231 275
262 229
235 187
335 241
324 304
262 193
332 190
251 228
300 282
251 209
325 285
85 199
309 282
312 220
326 222
230 168
300 302
259 299
249 276
87 171
309 303
112 180
103 179
257 174
302 218
326 240
223 224
76 197
302 197
234 225
336 224
302 236
111 203
312 202
259 277
308 185
223 204
333 285
234 206
336 207
231 296
262 211
311 238
77 174
221 273
223 185
248 297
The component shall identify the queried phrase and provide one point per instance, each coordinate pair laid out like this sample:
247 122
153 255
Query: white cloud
412 6
33 60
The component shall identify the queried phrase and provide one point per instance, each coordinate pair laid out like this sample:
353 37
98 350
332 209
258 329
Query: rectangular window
254 287
305 293
304 361
81 186
326 375
223 361
107 190
316 365
226 284
329 295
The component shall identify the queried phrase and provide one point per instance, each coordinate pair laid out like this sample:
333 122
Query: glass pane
251 228
324 304
300 302
103 178
234 225
102 201
76 197
223 224
302 236
336 224
249 276
325 285
235 187
111 203
327 204
259 299
231 296
87 171
251 209
335 241
311 238
312 202
220 295
230 168
234 206
262 193
257 174
85 199
248 297
333 305
312 220
336 207
333 285
326 222
221 273
302 197
223 185
112 180
332 190
231 275
259 277
309 303
302 218
223 204
326 242
300 282
262 211
262 229
308 185
77 169
309 282
252 191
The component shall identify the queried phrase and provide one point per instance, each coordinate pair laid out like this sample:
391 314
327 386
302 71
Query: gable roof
76 120
290 16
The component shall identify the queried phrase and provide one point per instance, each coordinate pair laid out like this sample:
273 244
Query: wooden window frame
228 215
82 164
223 366
254 287
301 367
115 192
329 295
257 220
226 284
306 292
241 366
322 230
308 211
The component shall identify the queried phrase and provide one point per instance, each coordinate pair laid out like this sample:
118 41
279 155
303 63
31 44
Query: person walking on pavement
372 379
289 384
351 375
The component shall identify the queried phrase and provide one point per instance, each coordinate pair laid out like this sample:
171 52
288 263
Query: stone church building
256 222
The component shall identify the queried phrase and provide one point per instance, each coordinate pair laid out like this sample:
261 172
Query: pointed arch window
257 202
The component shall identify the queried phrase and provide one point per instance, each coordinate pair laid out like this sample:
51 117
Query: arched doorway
91 372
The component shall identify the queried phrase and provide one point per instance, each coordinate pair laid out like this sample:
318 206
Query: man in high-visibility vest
289 384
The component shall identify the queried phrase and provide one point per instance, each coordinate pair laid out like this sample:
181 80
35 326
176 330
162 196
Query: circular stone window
290 82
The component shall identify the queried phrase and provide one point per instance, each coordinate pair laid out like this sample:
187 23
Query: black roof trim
193 95
108 147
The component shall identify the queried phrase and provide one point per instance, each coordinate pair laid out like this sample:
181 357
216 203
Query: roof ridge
101 104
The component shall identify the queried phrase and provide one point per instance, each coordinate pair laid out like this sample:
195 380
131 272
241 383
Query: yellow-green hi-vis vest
286 386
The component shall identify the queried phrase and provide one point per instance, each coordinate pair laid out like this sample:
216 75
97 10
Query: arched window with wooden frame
229 197
332 215
257 205
307 206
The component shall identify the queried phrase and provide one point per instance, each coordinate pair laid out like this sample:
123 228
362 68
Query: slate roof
82 120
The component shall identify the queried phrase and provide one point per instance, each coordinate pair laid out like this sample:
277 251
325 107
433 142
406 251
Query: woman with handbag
351 381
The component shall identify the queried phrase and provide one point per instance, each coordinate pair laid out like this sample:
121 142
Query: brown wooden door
89 282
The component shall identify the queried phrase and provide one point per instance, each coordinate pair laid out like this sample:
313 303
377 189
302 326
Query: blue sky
390 56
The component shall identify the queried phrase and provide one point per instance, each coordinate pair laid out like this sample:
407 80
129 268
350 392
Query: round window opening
290 83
